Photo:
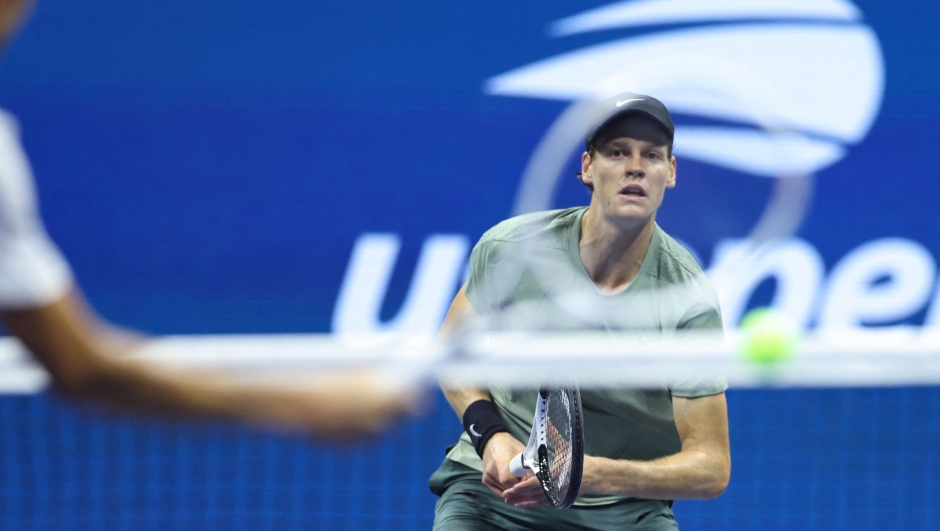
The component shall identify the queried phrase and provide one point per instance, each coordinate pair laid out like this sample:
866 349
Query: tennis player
40 304
643 448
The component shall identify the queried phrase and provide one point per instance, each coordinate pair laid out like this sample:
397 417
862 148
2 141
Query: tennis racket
556 445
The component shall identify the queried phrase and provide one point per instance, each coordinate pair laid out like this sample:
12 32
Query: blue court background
207 167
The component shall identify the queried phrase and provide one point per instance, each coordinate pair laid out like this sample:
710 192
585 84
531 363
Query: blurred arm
83 354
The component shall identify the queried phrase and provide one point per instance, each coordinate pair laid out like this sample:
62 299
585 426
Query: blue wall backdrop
208 167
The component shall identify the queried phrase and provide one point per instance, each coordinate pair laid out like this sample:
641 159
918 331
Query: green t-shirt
670 292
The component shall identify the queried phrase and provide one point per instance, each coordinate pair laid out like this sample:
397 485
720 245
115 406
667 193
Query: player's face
630 173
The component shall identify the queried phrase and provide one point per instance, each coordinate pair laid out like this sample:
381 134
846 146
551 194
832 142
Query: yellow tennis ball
767 337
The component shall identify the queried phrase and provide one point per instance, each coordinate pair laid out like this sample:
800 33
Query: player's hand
499 451
346 405
526 493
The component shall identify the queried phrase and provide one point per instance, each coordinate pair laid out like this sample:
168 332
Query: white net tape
873 357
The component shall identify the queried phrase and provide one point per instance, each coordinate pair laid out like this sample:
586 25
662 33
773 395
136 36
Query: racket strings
559 435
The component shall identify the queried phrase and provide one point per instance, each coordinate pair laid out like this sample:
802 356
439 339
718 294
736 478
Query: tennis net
843 435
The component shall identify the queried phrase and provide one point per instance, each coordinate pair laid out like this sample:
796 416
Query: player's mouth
633 190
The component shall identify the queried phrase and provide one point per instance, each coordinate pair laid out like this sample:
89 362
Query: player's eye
615 152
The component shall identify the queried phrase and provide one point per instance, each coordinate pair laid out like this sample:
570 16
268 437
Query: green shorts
467 505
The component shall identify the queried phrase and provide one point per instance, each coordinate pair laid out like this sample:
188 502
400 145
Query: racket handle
517 467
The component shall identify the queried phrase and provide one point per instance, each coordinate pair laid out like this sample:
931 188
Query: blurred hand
358 403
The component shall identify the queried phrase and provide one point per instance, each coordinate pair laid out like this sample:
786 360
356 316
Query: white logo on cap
624 102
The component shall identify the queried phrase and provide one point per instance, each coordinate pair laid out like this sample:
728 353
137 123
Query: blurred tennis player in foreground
643 448
40 304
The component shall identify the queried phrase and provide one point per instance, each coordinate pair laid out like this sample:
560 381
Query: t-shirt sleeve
33 273
703 317
491 276
708 319
475 286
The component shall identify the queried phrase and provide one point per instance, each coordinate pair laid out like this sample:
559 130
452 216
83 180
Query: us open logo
790 83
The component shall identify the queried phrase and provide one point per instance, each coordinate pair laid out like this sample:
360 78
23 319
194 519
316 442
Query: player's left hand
526 493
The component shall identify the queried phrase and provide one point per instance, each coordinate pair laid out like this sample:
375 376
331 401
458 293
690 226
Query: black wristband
481 421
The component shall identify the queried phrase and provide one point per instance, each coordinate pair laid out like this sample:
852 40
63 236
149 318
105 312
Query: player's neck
612 253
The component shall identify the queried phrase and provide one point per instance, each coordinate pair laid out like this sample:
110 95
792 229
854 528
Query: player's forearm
85 358
334 405
689 474
129 385
138 387
461 398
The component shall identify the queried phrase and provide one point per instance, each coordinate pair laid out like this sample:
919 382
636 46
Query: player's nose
635 167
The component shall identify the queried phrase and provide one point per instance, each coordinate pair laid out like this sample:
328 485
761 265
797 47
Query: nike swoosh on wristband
624 102
473 431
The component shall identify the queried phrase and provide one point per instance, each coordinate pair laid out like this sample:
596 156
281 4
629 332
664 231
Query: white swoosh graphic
624 102
756 152
647 12
834 89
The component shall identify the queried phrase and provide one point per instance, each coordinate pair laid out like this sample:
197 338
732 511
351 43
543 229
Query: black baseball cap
610 109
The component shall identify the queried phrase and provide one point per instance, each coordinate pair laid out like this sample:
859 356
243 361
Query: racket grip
517 467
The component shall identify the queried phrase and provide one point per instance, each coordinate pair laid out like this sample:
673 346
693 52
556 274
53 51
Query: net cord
872 357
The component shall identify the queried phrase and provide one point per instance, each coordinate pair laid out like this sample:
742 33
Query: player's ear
671 181
586 161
